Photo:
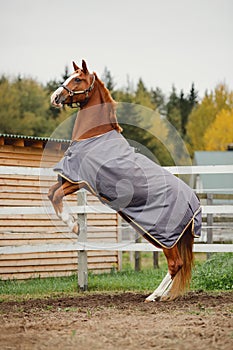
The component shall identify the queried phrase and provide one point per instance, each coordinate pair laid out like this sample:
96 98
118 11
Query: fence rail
122 247
177 170
90 209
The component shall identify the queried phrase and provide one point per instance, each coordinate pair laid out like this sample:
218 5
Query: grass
215 274
38 287
127 280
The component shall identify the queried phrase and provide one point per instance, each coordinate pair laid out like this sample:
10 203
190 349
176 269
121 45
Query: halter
80 92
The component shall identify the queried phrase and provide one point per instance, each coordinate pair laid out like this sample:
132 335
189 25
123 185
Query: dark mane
107 98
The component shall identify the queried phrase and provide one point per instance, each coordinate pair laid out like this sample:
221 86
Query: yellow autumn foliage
220 132
204 115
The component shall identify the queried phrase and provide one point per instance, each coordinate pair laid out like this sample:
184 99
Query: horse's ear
84 67
75 66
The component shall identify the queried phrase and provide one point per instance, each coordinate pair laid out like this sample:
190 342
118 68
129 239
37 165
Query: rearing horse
156 203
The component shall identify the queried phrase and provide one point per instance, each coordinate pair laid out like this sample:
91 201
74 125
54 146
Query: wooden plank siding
20 229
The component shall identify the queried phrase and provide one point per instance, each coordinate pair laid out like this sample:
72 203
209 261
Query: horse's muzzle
57 98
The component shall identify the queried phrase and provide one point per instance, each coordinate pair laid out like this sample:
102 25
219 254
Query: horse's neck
89 125
93 119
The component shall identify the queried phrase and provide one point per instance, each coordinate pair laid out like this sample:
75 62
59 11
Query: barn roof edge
34 138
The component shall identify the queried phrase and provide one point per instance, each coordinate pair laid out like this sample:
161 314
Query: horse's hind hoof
149 300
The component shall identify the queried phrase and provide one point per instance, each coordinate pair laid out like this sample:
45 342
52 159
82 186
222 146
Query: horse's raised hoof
75 228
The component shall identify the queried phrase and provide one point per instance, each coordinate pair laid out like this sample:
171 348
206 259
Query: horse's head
76 89
87 90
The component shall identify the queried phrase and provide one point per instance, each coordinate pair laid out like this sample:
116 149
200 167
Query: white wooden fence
82 246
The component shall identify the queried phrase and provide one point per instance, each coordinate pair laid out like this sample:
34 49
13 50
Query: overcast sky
164 42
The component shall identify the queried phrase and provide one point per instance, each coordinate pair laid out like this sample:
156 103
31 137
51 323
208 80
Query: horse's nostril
57 99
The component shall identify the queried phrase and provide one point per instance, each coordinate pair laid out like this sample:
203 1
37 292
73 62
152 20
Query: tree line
202 123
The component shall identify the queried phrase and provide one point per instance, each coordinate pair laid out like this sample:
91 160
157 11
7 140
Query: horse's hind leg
160 290
174 260
174 265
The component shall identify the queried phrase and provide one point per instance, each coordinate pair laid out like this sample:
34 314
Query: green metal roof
223 183
34 138
213 157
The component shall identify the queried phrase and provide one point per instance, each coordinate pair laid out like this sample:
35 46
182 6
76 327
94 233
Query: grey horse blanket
158 204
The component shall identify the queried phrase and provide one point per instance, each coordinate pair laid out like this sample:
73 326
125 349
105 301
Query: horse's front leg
56 195
53 189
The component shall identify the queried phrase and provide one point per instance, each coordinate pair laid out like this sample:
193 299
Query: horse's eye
77 80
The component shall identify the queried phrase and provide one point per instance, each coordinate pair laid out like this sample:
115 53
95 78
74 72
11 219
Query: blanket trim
138 227
151 238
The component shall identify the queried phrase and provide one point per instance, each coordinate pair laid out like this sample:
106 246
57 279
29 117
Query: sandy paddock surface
118 321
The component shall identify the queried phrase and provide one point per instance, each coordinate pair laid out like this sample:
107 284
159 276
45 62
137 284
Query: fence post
156 260
119 234
82 254
138 256
209 223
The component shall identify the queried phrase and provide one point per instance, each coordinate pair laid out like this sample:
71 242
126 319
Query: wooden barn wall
18 229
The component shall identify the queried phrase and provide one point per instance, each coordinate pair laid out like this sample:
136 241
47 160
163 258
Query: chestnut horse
97 122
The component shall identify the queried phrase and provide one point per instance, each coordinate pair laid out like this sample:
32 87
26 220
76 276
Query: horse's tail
182 279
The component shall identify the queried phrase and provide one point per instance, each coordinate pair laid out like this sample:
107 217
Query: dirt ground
118 321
